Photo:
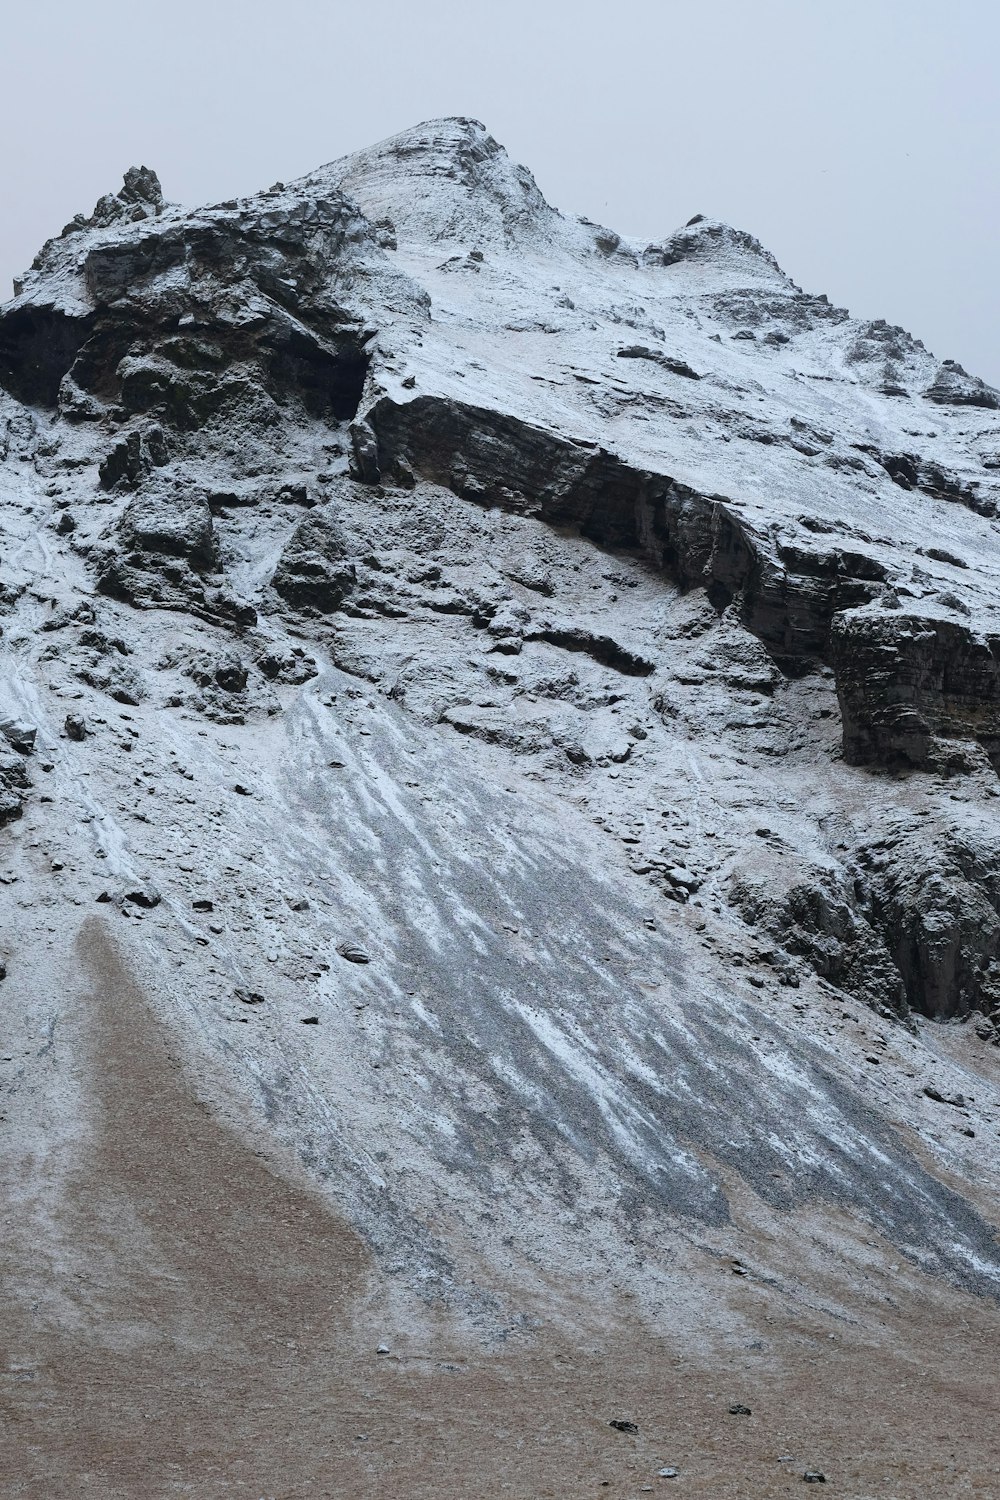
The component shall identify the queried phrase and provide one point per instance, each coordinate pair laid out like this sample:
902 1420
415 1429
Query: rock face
313 571
592 643
914 688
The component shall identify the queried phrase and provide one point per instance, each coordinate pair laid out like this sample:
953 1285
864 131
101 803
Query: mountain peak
708 243
444 180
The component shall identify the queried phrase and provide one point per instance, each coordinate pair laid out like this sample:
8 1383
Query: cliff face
561 670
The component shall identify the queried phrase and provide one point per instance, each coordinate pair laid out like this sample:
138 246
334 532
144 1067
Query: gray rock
19 735
353 953
313 572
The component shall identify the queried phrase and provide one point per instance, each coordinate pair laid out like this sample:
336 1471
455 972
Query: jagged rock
313 572
133 456
161 524
164 544
75 727
821 921
292 667
14 783
231 674
906 682
142 894
953 386
19 735
659 357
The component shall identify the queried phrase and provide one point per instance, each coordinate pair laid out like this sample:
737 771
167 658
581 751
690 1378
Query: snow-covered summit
444 181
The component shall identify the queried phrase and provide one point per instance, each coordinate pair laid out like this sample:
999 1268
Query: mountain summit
500 728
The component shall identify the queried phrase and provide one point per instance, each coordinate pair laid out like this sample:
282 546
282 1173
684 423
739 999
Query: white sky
859 141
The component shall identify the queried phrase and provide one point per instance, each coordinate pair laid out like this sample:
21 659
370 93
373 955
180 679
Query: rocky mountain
545 688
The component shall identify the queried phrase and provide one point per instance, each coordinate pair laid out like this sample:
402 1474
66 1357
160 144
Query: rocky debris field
499 740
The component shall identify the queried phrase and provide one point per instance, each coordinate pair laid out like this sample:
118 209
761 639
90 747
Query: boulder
313 572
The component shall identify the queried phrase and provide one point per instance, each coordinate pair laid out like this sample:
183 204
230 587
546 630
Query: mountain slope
514 713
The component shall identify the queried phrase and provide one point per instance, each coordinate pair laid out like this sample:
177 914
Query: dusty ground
179 1318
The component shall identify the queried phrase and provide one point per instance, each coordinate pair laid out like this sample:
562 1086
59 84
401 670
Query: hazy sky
857 138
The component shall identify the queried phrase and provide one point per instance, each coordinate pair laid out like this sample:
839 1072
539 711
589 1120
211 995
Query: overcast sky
857 138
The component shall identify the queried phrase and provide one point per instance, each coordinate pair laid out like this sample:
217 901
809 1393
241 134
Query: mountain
543 687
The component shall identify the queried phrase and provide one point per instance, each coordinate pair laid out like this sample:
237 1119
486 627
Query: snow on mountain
522 704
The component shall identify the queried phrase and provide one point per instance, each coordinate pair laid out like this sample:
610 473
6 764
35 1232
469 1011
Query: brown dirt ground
206 1327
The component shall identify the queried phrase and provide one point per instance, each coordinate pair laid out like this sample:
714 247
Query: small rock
310 1020
667 1473
813 1476
241 790
248 997
957 1101
740 1411
231 674
621 1426
353 953
75 727
382 1349
202 905
142 895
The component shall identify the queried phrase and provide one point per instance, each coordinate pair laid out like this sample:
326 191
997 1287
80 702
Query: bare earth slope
500 732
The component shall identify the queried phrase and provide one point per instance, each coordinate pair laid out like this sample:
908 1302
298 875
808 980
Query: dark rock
278 335
133 457
908 681
203 904
310 1020
657 356
144 895
953 386
231 674
313 572
957 1101
141 185
353 953
292 667
75 727
740 1411
622 1426
248 997
162 546
912 925
168 524
813 1476
19 735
